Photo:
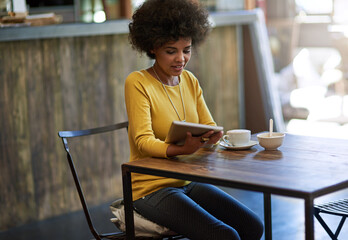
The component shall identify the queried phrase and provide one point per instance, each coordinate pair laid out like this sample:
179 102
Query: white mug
237 137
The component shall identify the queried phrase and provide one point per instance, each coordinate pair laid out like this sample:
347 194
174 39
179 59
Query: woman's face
172 57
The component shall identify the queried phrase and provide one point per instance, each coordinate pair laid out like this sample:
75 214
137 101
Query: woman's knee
255 230
222 233
258 229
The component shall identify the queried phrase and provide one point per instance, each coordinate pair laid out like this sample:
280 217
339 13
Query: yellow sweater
150 115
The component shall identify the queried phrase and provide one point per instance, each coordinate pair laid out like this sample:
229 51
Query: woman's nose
180 57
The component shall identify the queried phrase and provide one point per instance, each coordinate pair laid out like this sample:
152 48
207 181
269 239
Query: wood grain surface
302 166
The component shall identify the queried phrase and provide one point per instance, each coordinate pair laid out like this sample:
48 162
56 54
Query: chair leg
325 226
340 226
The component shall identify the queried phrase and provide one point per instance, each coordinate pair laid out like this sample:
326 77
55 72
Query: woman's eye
173 52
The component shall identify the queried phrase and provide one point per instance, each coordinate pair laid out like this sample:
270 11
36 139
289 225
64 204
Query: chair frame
64 135
338 208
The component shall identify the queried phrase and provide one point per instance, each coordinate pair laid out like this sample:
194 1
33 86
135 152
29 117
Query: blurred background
58 81
309 47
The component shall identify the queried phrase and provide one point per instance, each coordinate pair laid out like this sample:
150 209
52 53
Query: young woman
167 30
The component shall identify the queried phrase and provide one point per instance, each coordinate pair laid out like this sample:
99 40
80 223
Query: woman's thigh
227 209
171 207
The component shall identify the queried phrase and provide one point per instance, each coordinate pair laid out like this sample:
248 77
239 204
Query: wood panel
255 118
51 85
215 64
57 84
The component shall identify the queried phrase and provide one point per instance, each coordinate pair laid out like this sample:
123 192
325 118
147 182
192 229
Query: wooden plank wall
216 66
71 83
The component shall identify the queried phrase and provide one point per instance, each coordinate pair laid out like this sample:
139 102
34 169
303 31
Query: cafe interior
63 66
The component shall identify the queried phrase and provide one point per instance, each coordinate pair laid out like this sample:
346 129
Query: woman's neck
167 80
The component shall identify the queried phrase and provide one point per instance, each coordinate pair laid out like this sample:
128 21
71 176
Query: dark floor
288 220
288 215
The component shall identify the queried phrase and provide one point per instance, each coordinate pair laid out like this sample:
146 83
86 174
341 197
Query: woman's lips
178 67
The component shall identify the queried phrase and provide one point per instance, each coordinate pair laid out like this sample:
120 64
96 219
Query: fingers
207 138
214 138
197 141
208 134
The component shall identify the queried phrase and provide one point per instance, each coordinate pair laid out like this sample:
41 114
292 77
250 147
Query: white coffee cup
237 137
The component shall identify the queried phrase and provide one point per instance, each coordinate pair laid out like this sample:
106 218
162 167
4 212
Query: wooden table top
303 166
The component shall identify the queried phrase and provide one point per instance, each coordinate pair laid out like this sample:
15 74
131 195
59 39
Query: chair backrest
65 135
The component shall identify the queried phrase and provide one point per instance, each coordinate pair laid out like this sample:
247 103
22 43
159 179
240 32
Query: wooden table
303 167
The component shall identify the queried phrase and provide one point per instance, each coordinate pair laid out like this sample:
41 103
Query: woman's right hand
191 145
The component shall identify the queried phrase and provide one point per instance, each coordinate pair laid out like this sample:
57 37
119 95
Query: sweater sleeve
138 104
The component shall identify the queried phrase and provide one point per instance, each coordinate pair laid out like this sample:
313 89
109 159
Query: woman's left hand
192 144
213 137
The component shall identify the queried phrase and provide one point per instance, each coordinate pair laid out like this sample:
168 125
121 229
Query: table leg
128 203
309 219
268 215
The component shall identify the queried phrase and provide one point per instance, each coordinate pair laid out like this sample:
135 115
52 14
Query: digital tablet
178 130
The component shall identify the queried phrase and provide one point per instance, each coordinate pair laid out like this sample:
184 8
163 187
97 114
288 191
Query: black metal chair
338 208
65 135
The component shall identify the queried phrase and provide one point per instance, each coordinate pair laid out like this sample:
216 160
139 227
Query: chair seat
339 207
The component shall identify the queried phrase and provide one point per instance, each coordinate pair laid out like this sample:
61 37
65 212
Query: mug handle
226 139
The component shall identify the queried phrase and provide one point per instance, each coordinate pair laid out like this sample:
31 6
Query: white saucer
242 147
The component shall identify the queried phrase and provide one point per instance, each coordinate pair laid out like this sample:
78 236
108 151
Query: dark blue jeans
201 211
